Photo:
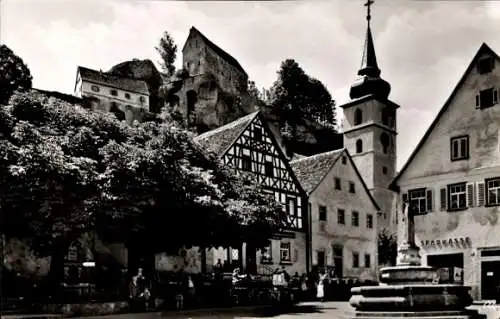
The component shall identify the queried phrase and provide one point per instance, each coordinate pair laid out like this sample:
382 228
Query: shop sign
460 242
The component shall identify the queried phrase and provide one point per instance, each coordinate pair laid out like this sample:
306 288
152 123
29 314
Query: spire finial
368 5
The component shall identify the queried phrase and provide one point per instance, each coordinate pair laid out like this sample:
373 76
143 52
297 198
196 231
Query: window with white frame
459 148
493 191
417 201
457 197
285 252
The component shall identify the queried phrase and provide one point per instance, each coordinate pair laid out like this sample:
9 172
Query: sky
423 47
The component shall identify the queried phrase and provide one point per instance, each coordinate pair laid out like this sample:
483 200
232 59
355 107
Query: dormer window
486 65
487 98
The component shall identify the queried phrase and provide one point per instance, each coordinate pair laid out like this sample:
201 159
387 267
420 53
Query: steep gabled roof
220 139
483 49
223 54
121 83
312 170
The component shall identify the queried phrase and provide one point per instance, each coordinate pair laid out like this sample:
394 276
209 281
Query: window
341 217
355 219
355 260
338 260
352 188
257 134
95 88
369 221
321 258
114 92
384 170
246 163
269 169
457 198
322 213
338 186
493 191
487 98
368 261
486 65
285 252
266 255
358 117
384 140
142 99
359 146
459 148
417 199
344 160
291 205
127 96
385 116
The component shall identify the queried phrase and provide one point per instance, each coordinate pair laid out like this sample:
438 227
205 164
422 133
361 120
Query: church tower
370 130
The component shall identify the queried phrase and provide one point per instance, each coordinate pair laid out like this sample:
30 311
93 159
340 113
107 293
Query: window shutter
443 199
480 193
495 96
477 101
429 199
470 194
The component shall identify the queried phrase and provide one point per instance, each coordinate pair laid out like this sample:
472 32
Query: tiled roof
220 139
223 54
127 84
311 170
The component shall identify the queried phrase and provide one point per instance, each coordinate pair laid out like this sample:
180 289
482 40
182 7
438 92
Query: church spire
370 82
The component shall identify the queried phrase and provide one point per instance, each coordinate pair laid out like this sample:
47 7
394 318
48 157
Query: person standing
320 287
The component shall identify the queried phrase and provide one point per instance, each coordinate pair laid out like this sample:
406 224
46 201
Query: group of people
139 292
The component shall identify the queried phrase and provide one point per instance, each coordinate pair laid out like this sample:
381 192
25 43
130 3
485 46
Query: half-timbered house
248 145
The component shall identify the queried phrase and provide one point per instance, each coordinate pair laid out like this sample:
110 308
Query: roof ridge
226 126
318 155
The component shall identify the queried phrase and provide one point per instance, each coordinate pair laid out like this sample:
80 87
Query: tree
14 74
66 171
298 95
168 53
387 248
254 92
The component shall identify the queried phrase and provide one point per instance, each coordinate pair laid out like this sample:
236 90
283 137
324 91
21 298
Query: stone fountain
410 289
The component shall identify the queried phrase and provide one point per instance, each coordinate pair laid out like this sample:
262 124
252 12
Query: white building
452 180
127 98
343 215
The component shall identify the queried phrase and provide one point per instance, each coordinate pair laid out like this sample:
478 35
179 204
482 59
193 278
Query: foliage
298 95
254 92
168 53
14 74
65 171
387 248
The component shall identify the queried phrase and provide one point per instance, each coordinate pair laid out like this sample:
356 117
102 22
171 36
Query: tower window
359 146
358 117
384 170
486 65
385 117
384 140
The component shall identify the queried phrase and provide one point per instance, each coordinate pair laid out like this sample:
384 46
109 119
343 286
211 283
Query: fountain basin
408 275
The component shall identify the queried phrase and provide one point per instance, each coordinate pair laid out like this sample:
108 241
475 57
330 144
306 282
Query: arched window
384 140
385 117
359 146
358 117
191 101
120 115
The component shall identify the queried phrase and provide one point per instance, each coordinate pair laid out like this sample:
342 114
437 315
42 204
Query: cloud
422 46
